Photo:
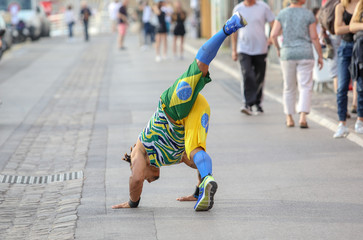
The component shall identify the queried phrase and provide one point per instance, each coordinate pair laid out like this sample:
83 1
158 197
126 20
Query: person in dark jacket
85 16
356 26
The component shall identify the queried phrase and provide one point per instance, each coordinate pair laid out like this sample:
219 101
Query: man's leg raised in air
202 160
210 48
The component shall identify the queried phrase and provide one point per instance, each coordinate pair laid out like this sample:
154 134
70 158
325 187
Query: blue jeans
149 30
344 59
86 36
70 29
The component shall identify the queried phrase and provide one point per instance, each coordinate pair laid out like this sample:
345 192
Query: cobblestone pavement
55 141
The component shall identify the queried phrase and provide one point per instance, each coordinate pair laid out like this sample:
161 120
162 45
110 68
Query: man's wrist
134 204
196 192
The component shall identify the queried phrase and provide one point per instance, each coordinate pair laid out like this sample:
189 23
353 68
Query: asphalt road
76 107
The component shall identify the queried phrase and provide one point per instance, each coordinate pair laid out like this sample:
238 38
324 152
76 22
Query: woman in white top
70 20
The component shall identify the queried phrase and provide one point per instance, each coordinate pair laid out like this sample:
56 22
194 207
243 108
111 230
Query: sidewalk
76 116
324 109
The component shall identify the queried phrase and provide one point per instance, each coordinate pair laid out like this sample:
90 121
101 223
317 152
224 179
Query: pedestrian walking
298 28
161 32
177 132
326 19
149 28
113 8
178 18
139 23
343 14
70 20
123 24
85 16
250 46
169 10
356 26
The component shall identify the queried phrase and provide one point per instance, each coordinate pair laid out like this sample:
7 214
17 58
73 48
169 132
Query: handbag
329 50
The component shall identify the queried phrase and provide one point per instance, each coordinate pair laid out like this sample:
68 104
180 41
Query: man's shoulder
284 11
263 5
260 4
239 7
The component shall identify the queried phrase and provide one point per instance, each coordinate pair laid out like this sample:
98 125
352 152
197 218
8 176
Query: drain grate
60 177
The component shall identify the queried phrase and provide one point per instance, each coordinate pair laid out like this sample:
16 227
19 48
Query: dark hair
160 4
315 10
69 7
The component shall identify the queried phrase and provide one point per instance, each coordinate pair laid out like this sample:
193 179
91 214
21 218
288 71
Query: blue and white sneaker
234 23
207 189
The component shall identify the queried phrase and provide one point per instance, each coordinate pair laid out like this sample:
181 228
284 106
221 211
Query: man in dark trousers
250 46
85 15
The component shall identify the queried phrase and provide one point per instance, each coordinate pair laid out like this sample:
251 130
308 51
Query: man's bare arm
136 181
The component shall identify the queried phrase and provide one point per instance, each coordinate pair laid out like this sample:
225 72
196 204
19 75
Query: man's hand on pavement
122 205
187 198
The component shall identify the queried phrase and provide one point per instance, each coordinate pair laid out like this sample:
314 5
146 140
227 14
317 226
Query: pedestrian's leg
86 30
344 59
157 47
175 47
181 47
249 82
359 122
305 82
355 97
165 43
152 33
70 30
260 70
146 33
344 56
289 90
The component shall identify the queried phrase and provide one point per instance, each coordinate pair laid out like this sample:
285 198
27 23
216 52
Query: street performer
178 130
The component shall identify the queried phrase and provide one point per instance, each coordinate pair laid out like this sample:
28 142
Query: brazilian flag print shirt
178 100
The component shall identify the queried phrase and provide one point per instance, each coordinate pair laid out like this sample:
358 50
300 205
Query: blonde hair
358 16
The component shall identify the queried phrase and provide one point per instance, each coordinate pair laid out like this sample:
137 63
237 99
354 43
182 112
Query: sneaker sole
243 20
342 136
207 200
246 112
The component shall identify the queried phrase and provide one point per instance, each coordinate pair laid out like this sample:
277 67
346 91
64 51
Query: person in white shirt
70 19
149 28
113 8
250 46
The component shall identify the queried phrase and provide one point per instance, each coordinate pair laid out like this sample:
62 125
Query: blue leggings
210 48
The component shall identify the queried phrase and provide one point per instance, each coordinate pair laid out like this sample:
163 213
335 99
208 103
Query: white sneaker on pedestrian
342 131
247 110
358 126
158 59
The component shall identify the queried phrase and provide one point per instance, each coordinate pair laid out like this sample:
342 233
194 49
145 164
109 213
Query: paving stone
56 142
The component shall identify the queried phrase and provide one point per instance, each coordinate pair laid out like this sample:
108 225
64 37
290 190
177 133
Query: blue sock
210 48
203 162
